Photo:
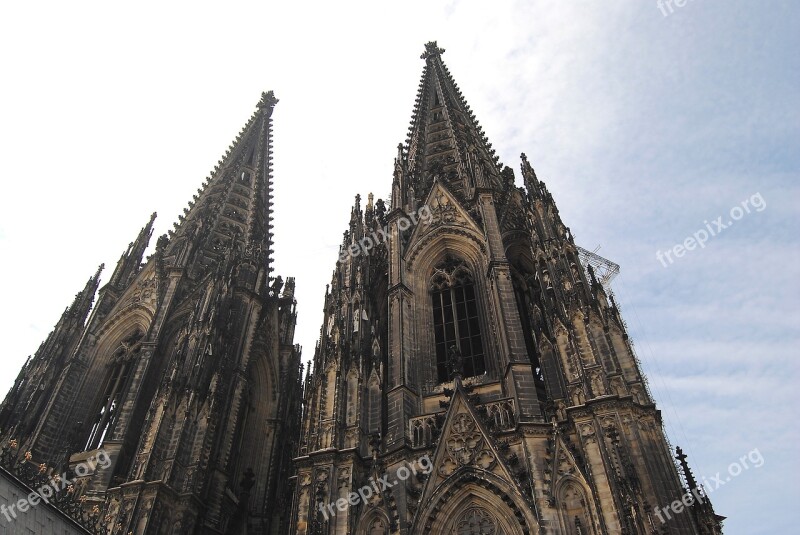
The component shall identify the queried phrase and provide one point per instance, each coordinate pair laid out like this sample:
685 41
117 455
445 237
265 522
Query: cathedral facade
473 374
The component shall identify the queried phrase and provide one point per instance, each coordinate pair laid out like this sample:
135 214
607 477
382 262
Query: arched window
117 379
455 319
574 510
531 319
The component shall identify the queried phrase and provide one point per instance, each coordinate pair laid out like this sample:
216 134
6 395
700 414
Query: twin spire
445 141
233 209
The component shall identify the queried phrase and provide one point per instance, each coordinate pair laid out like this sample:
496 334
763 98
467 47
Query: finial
99 270
268 100
288 290
592 278
432 50
153 216
161 243
687 472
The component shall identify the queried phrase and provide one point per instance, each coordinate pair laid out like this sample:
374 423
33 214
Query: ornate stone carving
565 466
145 290
588 432
344 477
465 446
477 521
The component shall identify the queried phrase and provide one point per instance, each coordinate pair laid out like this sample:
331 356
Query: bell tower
471 369
184 374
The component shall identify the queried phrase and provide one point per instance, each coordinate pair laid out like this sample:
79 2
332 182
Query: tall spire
40 373
233 209
445 141
131 260
83 301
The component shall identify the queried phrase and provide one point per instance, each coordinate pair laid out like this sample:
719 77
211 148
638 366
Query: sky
649 125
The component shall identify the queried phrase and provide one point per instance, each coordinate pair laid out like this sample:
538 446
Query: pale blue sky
643 127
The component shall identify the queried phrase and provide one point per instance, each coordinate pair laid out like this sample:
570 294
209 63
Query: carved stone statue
455 361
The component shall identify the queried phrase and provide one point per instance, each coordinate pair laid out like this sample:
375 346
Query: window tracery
456 320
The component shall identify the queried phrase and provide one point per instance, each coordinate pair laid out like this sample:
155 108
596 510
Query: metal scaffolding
604 270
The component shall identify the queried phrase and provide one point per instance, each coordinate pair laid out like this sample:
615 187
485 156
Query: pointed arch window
456 321
121 363
575 514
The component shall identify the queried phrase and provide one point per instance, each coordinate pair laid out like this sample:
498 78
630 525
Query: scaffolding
604 270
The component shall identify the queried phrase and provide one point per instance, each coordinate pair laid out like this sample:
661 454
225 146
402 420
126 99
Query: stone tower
472 376
184 373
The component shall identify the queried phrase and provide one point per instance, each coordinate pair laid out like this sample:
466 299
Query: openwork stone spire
445 141
232 212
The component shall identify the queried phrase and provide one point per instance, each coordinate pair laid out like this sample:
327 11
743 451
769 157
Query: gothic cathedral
473 374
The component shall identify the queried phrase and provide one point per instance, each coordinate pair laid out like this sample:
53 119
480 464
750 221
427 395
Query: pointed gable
443 212
444 209
464 443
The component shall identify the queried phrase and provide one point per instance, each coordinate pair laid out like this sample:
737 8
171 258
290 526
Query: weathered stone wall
39 519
